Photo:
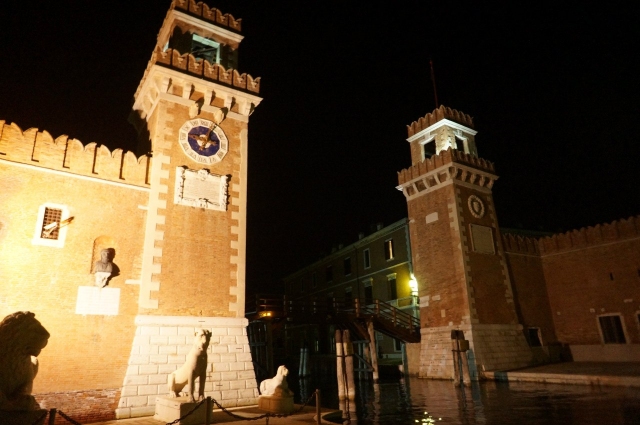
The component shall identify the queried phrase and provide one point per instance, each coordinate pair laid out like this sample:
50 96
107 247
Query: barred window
51 223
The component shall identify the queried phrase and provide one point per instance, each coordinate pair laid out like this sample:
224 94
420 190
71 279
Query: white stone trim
195 321
443 122
175 14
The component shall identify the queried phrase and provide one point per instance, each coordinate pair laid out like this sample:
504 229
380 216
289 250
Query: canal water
423 402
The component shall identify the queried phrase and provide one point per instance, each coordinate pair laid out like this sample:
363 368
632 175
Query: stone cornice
442 169
446 175
159 79
429 130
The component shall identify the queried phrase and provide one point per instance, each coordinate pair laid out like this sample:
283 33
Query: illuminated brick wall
85 352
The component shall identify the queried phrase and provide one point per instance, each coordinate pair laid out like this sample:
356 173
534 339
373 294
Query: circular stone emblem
476 206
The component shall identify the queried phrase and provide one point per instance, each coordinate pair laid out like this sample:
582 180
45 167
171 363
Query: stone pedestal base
492 347
169 409
23 417
275 404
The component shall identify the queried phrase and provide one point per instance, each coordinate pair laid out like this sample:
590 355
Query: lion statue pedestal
22 338
173 407
275 395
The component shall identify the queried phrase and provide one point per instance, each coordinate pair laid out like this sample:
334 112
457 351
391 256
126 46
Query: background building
376 267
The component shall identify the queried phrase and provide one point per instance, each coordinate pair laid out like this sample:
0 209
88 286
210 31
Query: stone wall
160 347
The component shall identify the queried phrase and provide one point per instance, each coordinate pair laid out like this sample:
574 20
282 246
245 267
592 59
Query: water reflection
420 401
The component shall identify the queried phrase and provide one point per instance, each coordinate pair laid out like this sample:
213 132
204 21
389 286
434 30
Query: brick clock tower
458 258
192 110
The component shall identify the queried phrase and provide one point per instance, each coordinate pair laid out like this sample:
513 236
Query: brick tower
458 257
192 110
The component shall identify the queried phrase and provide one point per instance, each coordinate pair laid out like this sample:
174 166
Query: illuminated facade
173 225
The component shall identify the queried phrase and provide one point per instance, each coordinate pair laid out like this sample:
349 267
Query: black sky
553 89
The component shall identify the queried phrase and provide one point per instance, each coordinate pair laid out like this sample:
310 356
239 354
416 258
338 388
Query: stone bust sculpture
103 268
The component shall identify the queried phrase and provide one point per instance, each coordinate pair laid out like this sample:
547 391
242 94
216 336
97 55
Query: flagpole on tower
433 80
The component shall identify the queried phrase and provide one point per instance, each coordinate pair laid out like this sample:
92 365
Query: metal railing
389 316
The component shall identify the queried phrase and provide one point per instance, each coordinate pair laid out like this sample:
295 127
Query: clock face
203 141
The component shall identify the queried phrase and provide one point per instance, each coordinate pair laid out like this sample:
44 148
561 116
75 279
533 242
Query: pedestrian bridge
354 314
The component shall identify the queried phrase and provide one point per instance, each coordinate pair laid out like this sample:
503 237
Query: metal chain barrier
266 415
53 412
68 419
37 421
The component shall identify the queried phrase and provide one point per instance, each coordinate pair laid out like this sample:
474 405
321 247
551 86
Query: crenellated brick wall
564 282
444 158
40 149
591 236
209 14
443 112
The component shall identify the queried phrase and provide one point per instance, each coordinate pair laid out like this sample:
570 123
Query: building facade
376 267
518 300
123 258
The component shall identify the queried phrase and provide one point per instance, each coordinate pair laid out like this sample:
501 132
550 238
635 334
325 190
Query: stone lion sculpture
277 386
194 367
22 338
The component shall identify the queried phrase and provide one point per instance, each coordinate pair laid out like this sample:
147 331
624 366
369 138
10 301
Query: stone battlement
437 161
593 235
171 58
599 234
520 244
439 114
209 14
39 149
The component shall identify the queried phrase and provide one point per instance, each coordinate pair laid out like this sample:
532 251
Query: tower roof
443 112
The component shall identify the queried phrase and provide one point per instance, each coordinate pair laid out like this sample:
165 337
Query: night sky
554 91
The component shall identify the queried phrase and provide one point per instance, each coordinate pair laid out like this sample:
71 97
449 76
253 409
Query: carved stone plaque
98 301
201 189
482 239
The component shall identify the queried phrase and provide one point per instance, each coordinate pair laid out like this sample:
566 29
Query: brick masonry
463 277
173 260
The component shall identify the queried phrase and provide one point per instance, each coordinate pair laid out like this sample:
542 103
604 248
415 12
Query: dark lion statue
22 338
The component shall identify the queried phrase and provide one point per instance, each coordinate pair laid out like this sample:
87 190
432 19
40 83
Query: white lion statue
194 367
22 338
277 386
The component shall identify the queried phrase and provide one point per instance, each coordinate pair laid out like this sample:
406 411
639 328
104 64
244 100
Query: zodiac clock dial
203 141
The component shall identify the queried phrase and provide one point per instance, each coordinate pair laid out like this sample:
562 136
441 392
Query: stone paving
575 373
578 373
306 416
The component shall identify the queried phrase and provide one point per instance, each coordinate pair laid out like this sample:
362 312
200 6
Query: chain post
52 416
209 409
318 417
